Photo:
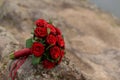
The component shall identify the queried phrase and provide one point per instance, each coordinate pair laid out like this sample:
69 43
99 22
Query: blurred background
111 6
91 29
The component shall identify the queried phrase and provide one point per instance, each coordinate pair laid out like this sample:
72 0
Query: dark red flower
40 32
40 23
55 52
37 49
61 56
60 41
52 28
58 31
51 39
47 64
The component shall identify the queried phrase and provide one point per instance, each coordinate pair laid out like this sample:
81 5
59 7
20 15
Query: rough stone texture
7 44
92 37
65 71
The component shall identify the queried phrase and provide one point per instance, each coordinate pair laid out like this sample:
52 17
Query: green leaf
50 59
62 36
12 55
34 27
57 59
32 32
50 21
33 40
64 52
35 60
36 38
48 30
41 41
49 46
29 43
47 56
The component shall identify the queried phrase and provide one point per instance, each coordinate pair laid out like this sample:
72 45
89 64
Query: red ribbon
16 66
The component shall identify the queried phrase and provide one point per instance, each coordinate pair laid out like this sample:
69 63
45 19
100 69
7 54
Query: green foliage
32 32
57 59
42 41
35 60
47 55
12 56
48 30
29 43
62 36
49 47
50 21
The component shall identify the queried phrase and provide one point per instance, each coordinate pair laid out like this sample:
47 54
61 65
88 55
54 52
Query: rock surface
7 44
92 36
64 71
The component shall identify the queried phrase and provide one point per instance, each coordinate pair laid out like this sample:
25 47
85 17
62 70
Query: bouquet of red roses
47 45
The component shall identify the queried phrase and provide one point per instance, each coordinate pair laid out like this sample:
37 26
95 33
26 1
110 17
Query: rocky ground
92 37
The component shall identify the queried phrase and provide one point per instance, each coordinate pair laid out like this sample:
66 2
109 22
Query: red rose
55 52
37 49
40 31
61 56
47 64
60 41
58 31
51 39
52 28
40 23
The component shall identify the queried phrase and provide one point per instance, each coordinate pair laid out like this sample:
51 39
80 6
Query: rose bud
40 23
